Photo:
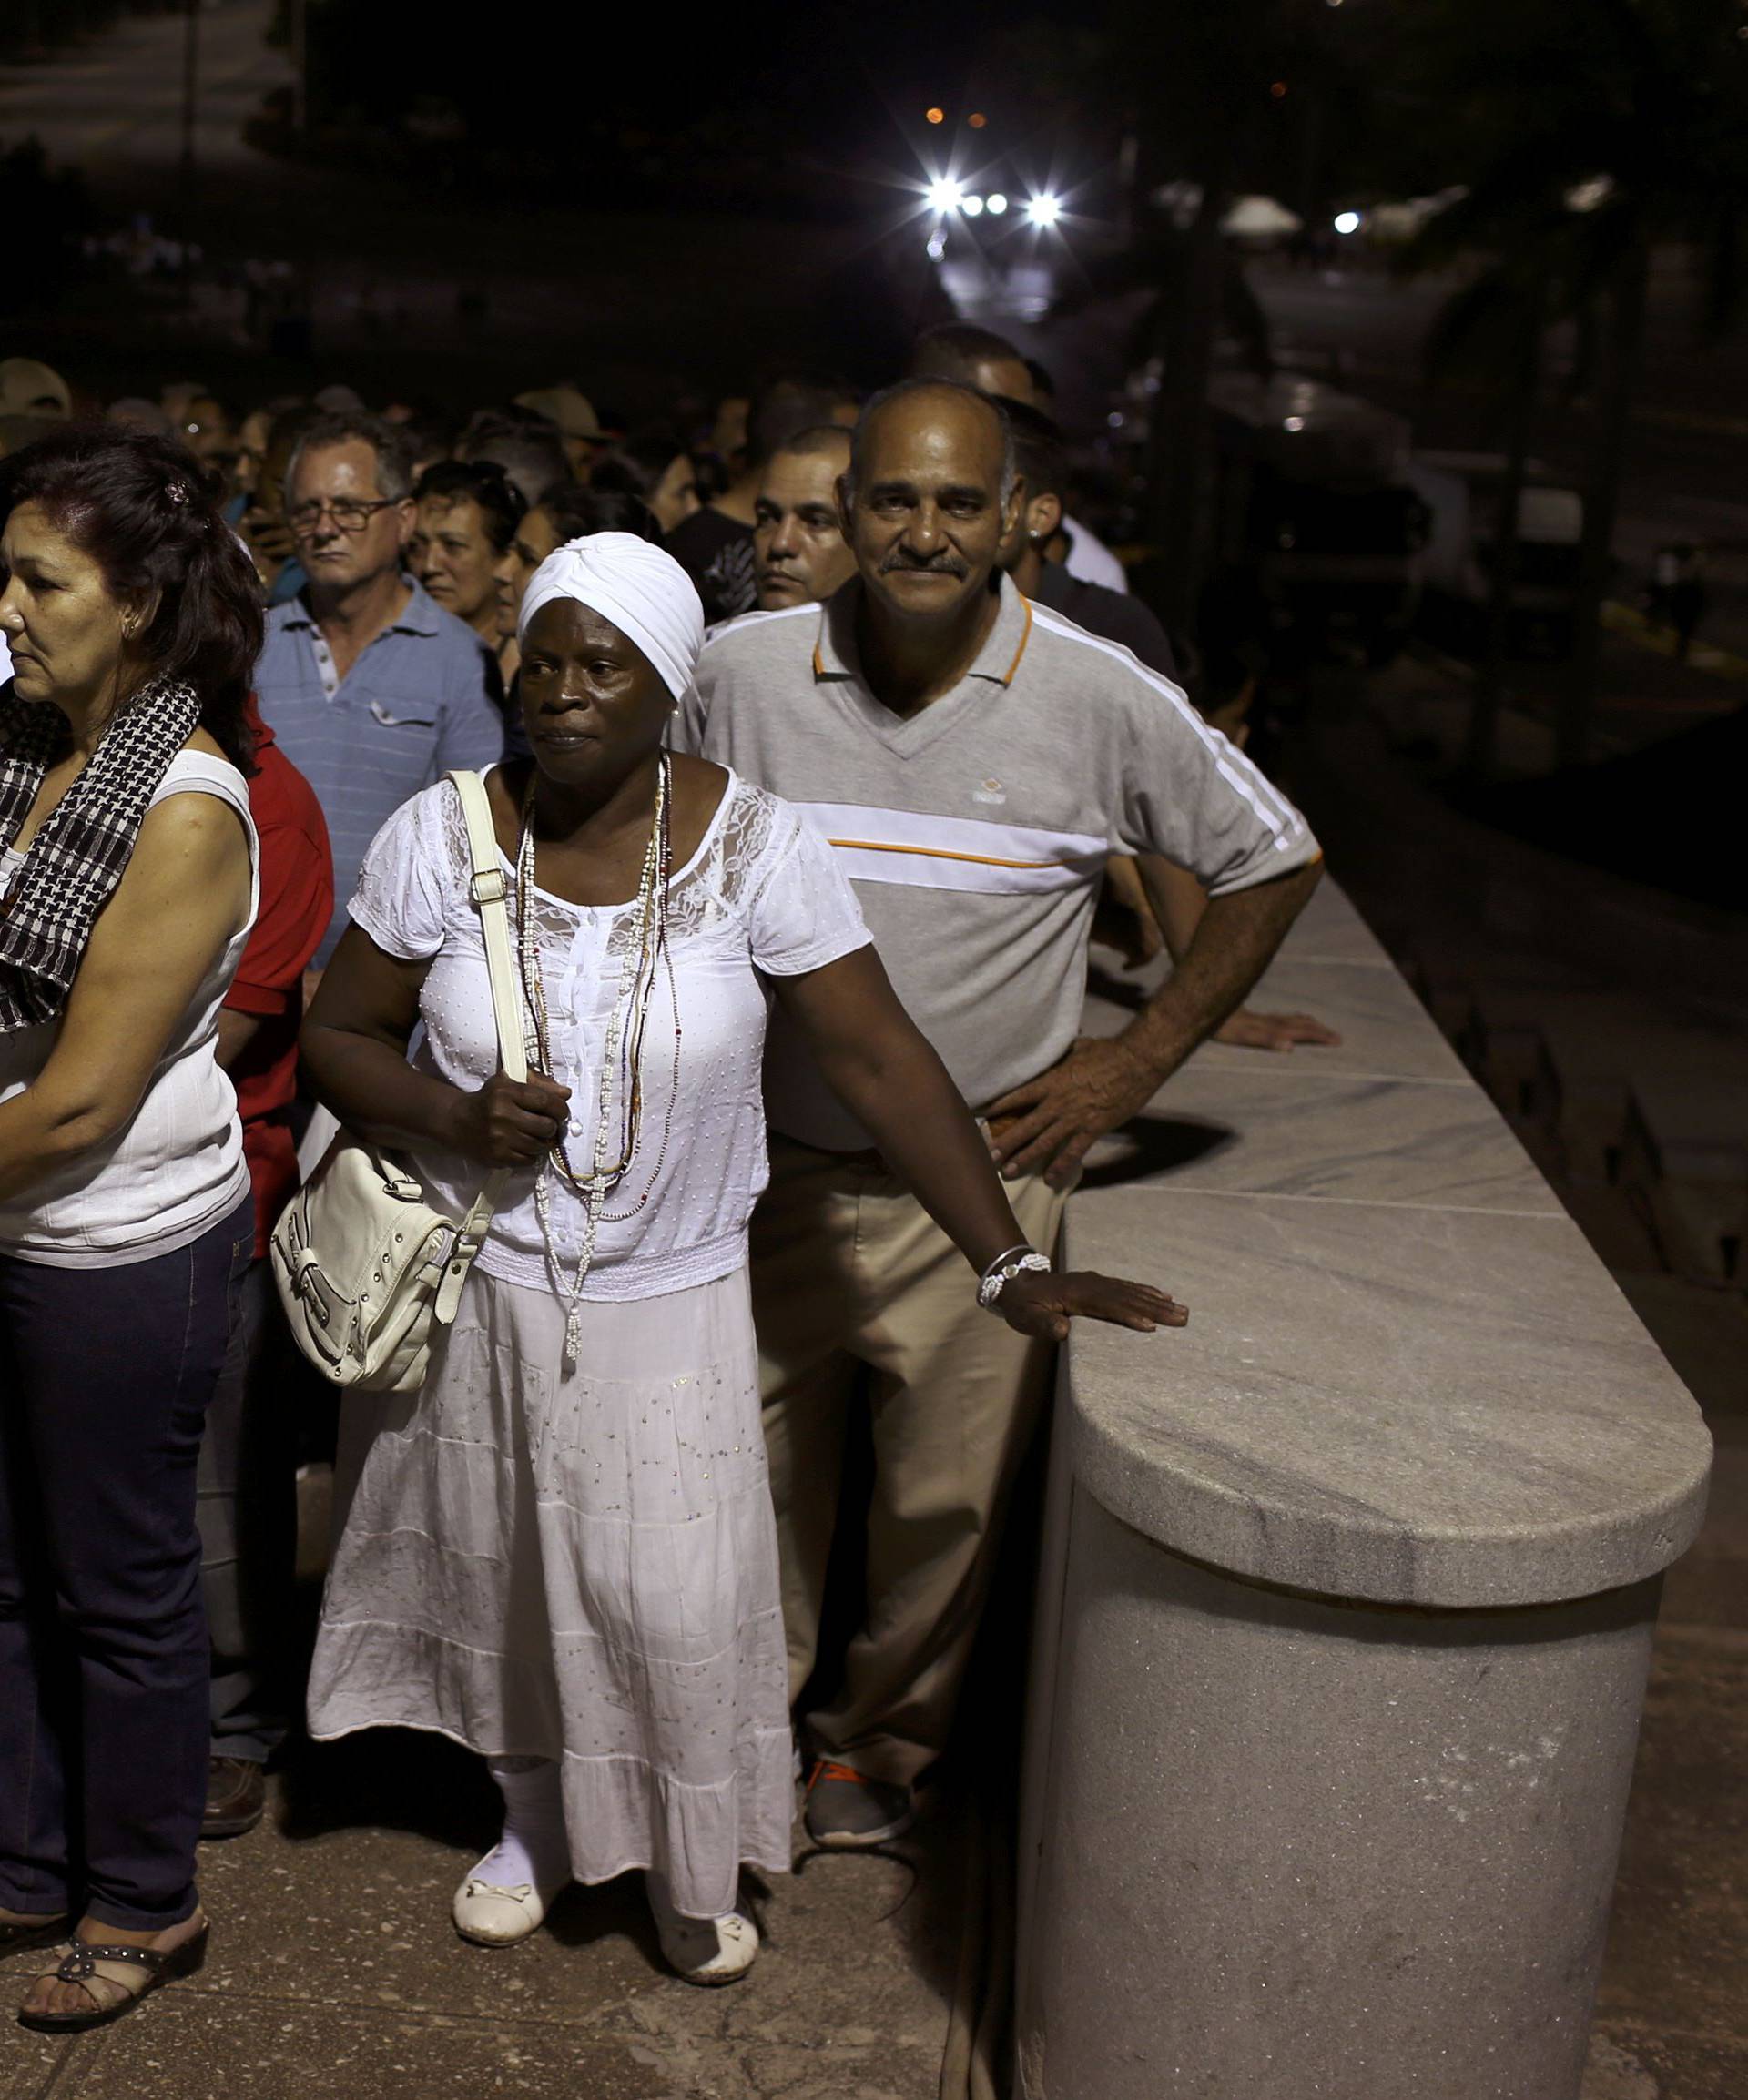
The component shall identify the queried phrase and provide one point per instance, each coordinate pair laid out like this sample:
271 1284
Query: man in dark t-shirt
1038 450
715 546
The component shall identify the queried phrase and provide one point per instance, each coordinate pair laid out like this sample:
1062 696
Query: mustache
943 565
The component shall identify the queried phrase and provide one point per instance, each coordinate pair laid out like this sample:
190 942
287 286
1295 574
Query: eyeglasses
349 515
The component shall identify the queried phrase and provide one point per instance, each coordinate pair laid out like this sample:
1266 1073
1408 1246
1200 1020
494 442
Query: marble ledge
1330 930
1257 1129
1420 1407
1385 1032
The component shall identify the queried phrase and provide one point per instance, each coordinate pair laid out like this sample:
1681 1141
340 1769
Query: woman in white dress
561 1551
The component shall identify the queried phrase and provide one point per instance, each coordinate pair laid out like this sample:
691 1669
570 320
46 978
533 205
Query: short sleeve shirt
976 830
297 903
762 897
416 704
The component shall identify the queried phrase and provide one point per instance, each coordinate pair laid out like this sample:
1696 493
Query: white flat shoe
707 1951
494 1917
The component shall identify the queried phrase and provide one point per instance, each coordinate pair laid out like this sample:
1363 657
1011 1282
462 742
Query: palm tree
1590 135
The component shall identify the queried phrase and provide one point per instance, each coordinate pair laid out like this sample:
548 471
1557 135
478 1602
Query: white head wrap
642 590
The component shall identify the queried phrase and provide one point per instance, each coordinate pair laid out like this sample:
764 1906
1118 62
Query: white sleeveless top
177 1168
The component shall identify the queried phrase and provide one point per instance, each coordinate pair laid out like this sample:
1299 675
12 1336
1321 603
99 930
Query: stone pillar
1297 1847
1347 1590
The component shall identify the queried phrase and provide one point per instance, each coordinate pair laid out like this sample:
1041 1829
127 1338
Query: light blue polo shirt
416 704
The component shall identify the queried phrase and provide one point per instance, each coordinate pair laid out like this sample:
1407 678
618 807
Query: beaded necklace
623 1052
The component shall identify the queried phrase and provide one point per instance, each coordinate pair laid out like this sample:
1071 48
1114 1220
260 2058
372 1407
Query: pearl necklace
623 1049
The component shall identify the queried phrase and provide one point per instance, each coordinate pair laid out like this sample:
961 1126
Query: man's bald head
931 490
963 415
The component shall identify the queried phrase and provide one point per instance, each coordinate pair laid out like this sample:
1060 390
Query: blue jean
105 1379
248 1522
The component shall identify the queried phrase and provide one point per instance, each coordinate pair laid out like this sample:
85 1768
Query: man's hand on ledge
1050 1124
1273 1031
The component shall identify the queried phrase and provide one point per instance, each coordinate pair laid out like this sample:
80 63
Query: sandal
143 1970
18 1933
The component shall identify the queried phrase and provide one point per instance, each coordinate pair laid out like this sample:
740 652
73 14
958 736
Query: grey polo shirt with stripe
975 831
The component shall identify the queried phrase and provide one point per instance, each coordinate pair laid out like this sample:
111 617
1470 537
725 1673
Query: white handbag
366 1267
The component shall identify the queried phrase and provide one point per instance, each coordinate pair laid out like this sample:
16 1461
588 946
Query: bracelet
1016 1262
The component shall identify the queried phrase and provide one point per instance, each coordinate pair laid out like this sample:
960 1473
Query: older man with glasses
373 691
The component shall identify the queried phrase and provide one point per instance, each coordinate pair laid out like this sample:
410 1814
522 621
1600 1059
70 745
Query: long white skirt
579 1565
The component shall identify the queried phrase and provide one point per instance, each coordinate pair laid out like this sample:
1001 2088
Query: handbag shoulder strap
490 889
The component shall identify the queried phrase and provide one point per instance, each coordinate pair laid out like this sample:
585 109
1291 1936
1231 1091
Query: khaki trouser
849 1270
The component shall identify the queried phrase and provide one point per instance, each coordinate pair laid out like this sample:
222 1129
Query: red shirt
297 903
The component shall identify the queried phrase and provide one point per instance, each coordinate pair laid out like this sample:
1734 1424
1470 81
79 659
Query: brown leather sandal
143 1970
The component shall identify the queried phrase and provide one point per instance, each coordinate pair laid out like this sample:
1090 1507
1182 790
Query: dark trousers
248 1501
104 1377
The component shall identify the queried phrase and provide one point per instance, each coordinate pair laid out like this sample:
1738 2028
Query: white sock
533 1850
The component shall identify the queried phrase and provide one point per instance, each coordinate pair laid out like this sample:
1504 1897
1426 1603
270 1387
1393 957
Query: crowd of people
811 752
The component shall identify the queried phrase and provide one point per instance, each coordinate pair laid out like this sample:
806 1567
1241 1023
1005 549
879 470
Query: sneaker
236 1797
847 1810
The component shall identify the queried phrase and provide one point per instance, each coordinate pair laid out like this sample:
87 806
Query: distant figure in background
1115 615
799 543
373 691
715 547
568 512
990 363
259 515
571 414
30 387
525 445
135 412
655 466
248 1452
1678 593
465 517
204 427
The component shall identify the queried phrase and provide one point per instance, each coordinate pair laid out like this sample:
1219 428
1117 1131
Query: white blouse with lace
762 896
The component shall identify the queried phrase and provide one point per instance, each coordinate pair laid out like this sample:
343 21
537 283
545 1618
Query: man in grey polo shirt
372 690
974 759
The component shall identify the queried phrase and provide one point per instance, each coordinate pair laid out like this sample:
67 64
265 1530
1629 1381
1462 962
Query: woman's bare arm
182 897
888 1076
354 1045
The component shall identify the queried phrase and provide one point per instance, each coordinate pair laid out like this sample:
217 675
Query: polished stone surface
1407 1376
1397 1401
1264 1127
1330 930
1385 1032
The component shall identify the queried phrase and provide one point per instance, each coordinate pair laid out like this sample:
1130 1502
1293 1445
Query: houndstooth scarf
76 860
